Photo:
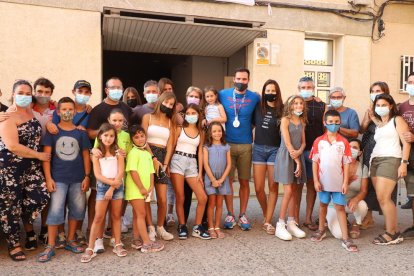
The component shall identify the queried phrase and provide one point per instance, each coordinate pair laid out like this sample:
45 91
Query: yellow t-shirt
141 162
124 141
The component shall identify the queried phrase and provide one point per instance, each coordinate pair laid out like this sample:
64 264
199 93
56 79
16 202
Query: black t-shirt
267 131
3 108
100 114
314 127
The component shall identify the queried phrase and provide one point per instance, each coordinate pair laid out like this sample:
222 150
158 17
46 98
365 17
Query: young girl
189 145
217 164
138 186
290 165
214 110
109 171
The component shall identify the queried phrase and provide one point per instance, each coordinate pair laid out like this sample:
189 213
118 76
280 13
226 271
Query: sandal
318 235
220 234
74 247
152 247
119 250
311 226
354 233
137 244
17 256
394 239
86 258
349 245
269 228
368 222
46 255
212 233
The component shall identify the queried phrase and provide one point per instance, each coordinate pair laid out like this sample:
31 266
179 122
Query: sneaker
199 232
152 247
60 240
151 233
294 230
244 223
80 237
43 235
182 232
99 246
31 241
108 233
229 221
281 232
408 233
170 220
408 204
127 222
163 234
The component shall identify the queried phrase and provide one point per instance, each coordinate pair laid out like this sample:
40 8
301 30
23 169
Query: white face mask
354 153
151 98
373 96
410 89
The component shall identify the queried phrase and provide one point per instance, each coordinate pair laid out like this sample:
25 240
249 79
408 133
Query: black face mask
132 103
166 110
240 86
270 97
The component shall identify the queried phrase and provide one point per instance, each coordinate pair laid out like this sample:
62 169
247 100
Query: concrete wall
60 44
209 71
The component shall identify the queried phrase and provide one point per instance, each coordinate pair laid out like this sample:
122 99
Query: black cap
82 83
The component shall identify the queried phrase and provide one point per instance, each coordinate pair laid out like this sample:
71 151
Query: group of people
126 152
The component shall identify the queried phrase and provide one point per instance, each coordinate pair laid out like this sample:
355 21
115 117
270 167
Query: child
139 184
290 165
214 111
189 140
217 164
331 155
67 178
109 171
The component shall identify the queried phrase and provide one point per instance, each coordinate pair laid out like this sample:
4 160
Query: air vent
153 16
223 23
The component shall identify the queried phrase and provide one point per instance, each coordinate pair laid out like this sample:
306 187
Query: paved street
253 252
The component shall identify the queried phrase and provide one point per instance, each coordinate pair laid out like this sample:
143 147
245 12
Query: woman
131 97
267 118
389 160
23 192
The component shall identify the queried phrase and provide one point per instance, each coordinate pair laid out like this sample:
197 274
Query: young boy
331 155
67 178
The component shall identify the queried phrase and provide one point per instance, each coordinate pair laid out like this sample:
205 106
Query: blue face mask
191 119
151 98
333 127
382 110
410 89
23 100
115 94
373 96
336 103
81 99
306 93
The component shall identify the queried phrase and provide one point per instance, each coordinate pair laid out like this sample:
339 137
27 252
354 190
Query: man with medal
239 104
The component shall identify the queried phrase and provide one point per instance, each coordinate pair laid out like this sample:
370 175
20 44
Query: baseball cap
82 83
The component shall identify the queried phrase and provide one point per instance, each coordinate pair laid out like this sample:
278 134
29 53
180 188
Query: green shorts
386 167
241 159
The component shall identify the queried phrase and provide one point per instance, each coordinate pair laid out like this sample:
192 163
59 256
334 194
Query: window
407 67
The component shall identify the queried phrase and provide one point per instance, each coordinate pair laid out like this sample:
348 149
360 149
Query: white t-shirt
355 187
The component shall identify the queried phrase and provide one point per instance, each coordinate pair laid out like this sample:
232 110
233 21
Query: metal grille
407 67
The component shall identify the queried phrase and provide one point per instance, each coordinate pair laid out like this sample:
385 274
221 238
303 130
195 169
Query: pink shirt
331 157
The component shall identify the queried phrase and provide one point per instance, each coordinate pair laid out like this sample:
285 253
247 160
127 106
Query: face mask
166 110
332 127
191 119
306 94
270 97
354 153
410 89
66 116
151 98
373 96
81 99
132 103
382 110
115 94
42 99
240 86
23 100
192 100
298 113
336 103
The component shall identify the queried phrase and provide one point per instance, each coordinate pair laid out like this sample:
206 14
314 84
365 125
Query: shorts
263 155
160 153
76 202
386 167
337 198
101 189
184 165
409 182
308 165
241 159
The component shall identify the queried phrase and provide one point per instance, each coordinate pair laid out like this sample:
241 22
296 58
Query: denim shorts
76 202
337 198
308 164
186 166
101 189
263 154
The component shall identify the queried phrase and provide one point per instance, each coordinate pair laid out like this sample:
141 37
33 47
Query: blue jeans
101 189
74 197
265 155
308 164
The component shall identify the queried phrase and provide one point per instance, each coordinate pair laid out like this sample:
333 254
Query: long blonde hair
287 111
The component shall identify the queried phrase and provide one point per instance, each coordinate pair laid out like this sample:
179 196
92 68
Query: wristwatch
405 162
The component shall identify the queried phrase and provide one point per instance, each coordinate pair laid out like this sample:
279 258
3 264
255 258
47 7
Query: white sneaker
124 227
151 233
127 222
163 234
281 232
294 230
99 246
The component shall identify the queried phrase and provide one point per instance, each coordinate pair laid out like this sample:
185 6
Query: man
239 105
349 118
151 94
